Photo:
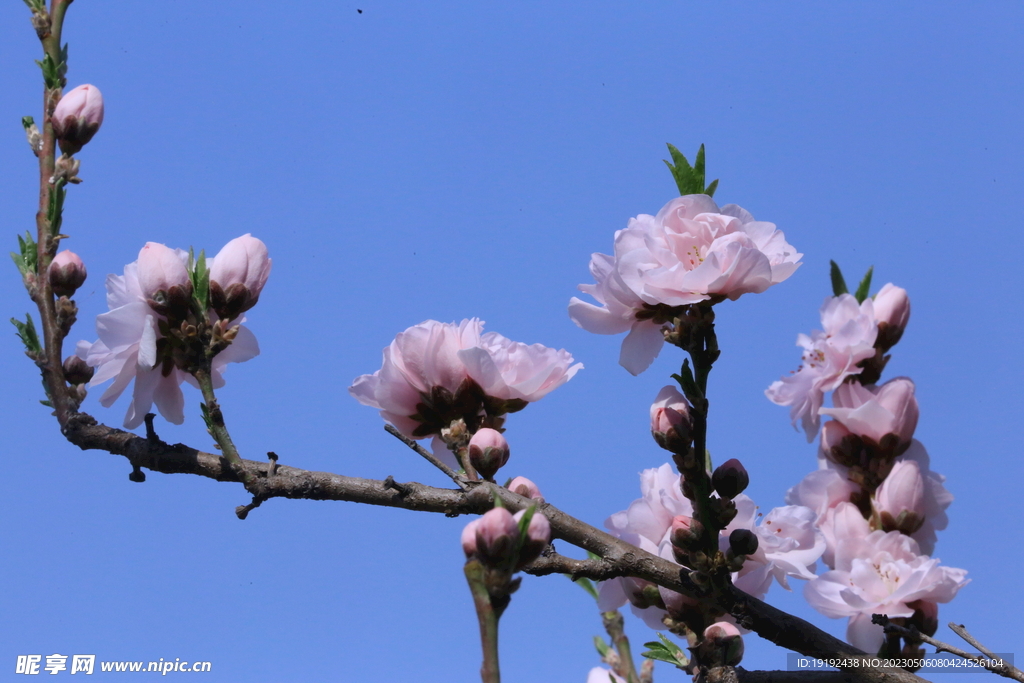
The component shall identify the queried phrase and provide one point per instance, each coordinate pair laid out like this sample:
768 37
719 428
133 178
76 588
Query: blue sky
447 160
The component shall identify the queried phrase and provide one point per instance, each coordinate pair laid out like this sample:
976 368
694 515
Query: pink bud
900 498
685 531
538 535
730 478
469 538
67 273
670 420
496 536
488 451
524 487
77 117
877 411
723 645
892 310
237 275
160 269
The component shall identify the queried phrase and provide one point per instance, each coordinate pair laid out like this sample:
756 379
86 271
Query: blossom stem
219 431
613 624
488 616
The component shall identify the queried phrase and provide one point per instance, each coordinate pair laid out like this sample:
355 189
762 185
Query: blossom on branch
434 373
691 251
880 573
130 338
830 356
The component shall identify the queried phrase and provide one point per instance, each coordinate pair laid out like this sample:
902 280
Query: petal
641 346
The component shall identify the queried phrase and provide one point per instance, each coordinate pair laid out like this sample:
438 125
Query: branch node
136 475
403 489
151 436
242 511
272 470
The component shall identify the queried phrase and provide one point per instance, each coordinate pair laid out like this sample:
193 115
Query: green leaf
838 283
206 417
865 286
603 648
25 259
53 73
55 211
27 122
524 522
666 651
710 189
687 383
201 283
27 333
586 584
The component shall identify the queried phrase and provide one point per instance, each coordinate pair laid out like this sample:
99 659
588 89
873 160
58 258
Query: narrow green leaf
201 283
586 584
47 404
27 122
865 286
677 158
603 648
698 166
710 189
27 333
687 383
838 283
524 522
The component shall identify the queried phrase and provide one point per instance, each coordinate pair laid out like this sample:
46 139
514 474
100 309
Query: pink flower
77 117
830 356
66 273
880 573
691 251
788 543
127 345
426 367
873 412
238 275
935 498
842 523
822 490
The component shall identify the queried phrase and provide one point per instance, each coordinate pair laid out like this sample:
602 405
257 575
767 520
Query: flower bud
730 478
670 420
163 278
685 531
899 501
892 310
524 487
723 645
77 117
67 273
496 536
488 451
538 535
743 542
237 276
469 538
76 371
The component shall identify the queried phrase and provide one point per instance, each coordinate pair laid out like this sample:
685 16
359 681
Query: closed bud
496 536
76 371
488 451
892 310
237 276
722 646
730 479
538 535
685 531
524 487
670 420
163 278
66 273
743 542
77 117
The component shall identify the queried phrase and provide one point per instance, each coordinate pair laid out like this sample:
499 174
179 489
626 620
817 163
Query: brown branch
619 558
428 456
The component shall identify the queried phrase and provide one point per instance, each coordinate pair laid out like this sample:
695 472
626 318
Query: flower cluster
874 497
146 303
788 545
690 252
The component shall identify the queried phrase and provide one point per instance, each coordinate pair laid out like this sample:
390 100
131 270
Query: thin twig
912 634
428 456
